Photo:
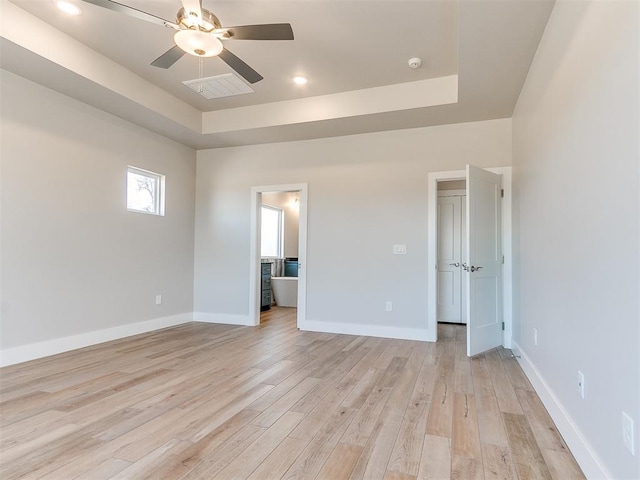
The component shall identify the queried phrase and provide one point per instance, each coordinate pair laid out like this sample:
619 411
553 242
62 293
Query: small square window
145 191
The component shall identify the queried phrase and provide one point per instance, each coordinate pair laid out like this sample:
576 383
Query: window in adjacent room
271 236
145 191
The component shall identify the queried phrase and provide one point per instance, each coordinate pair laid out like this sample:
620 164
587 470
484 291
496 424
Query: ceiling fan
199 33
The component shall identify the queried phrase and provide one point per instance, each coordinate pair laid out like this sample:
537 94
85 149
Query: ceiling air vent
220 86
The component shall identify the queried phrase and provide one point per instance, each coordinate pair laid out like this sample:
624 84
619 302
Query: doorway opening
451 252
440 278
278 252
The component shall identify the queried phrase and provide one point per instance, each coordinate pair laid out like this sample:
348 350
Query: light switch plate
399 249
581 384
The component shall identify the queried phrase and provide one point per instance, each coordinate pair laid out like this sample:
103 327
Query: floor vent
227 85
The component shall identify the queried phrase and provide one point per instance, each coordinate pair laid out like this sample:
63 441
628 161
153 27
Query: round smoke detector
415 62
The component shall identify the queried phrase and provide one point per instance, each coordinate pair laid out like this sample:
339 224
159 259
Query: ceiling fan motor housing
207 23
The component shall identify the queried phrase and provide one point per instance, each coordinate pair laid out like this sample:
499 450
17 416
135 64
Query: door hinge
502 193
502 325
503 259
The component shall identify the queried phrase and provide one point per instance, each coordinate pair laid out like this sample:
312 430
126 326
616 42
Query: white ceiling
354 53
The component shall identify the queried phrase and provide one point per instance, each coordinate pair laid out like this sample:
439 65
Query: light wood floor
213 401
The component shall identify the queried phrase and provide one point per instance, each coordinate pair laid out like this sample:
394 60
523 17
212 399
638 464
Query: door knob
473 269
455 264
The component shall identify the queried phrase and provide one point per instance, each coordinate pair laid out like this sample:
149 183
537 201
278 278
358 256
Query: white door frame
432 241
254 254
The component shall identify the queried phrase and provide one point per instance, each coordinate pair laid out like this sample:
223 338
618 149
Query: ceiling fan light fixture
197 43
207 22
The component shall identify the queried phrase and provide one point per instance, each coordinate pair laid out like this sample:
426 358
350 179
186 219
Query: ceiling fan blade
132 12
249 74
168 58
271 31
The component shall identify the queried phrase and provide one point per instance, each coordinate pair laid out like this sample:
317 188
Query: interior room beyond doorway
451 252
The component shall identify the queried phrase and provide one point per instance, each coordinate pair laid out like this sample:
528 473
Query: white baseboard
32 351
366 330
225 318
589 461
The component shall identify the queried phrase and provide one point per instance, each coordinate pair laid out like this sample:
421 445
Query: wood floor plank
435 461
482 385
318 450
524 447
265 401
463 468
505 392
405 456
277 463
107 469
245 463
361 391
284 403
47 458
546 433
181 459
516 375
466 438
440 420
30 428
341 462
374 459
497 463
393 475
17 450
229 410
462 378
490 424
203 401
213 463
146 463
366 418
562 465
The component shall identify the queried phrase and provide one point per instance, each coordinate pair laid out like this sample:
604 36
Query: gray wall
366 193
73 259
576 159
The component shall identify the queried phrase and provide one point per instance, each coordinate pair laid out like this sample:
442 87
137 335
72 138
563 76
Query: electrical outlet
158 299
535 336
627 433
581 384
389 306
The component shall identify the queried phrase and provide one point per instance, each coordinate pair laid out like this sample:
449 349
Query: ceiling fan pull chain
200 74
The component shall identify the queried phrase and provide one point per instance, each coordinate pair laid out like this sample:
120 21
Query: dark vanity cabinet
265 276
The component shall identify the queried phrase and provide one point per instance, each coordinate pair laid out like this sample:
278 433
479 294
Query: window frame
280 212
158 201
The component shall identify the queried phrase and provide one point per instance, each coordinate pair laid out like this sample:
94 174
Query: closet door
449 259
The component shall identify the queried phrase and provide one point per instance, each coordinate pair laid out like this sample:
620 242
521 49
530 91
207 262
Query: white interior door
483 268
449 259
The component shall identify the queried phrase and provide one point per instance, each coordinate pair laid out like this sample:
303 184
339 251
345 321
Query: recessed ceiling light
299 80
69 8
